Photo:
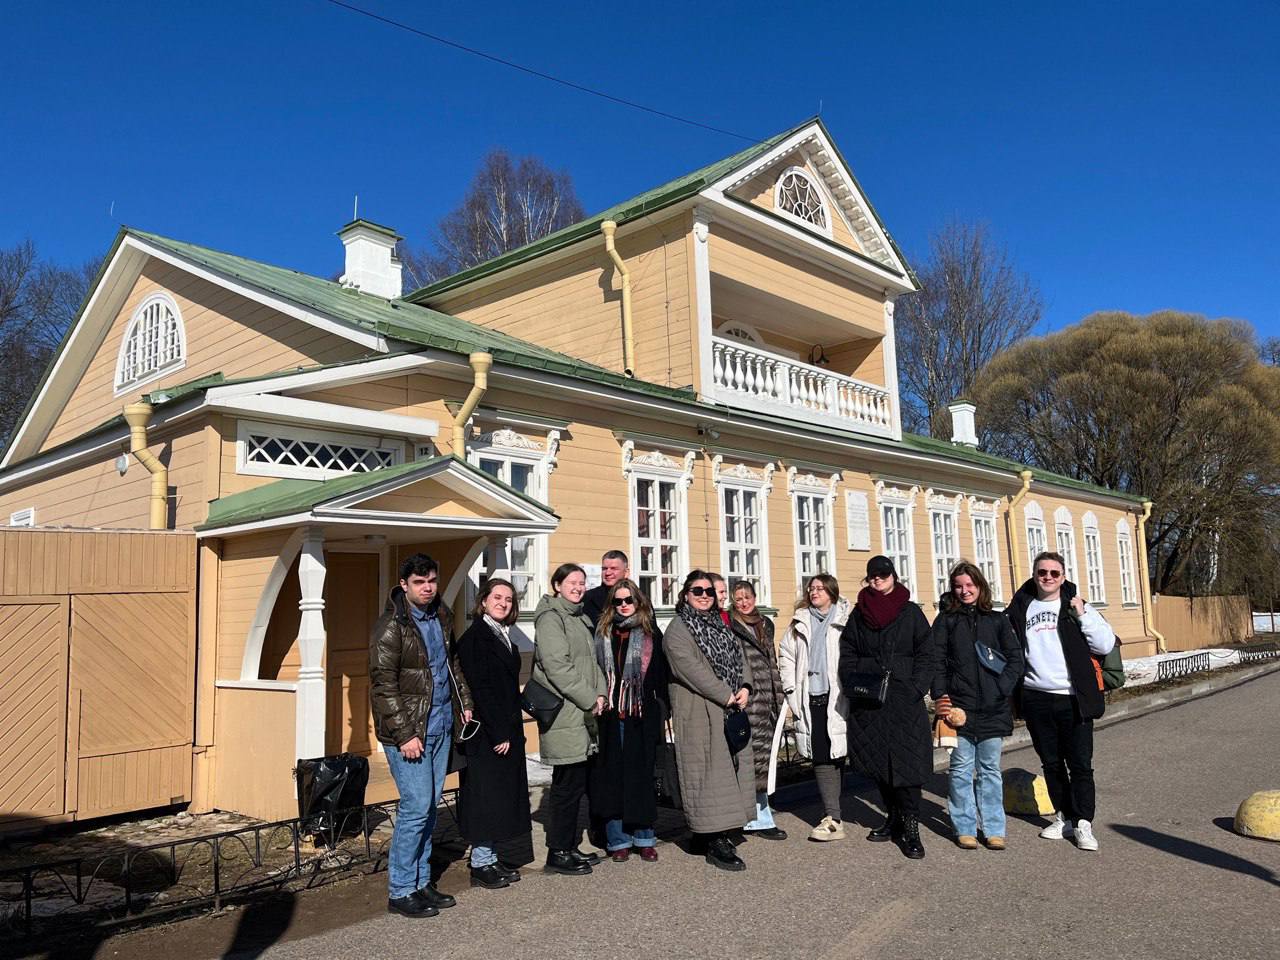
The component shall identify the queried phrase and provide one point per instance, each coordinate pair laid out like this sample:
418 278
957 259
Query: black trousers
904 800
1064 743
568 787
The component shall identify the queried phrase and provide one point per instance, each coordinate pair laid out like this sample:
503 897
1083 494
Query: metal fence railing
1259 651
1182 666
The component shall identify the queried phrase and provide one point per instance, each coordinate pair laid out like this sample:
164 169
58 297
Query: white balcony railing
778 383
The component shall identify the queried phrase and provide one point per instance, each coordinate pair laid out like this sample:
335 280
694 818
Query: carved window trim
797 188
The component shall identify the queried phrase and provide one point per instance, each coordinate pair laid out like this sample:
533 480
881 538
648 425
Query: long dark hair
951 603
829 584
643 609
693 577
483 595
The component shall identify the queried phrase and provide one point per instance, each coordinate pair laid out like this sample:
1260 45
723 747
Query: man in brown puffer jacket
420 699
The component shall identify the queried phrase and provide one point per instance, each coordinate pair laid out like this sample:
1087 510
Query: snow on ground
1142 670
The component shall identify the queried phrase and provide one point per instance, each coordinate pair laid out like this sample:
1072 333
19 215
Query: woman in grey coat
717 786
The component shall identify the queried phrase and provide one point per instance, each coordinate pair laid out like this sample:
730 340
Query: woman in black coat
494 799
620 783
980 662
891 743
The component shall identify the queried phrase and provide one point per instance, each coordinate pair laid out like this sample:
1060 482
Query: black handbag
869 689
737 730
666 775
540 703
990 658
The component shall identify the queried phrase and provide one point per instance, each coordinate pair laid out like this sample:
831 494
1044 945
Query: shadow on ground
1197 852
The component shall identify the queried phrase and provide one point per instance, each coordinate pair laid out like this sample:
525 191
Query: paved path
1169 881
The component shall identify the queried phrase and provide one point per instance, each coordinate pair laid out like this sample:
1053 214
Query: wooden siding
575 305
225 332
253 773
1193 623
760 188
246 563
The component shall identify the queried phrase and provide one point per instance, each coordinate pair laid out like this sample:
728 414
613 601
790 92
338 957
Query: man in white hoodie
1061 692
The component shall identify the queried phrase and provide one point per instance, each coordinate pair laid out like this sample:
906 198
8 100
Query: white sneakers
1082 832
1057 829
827 829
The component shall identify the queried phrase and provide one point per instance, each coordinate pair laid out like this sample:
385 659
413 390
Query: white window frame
123 386
944 522
656 466
901 501
1095 580
291 432
1037 538
1128 564
1064 539
817 188
987 512
743 479
818 488
26 517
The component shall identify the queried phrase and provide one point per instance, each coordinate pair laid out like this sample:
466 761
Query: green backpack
1110 669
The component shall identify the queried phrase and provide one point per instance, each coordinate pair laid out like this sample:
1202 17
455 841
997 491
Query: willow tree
1172 406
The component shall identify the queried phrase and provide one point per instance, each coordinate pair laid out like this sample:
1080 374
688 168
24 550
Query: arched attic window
154 342
798 197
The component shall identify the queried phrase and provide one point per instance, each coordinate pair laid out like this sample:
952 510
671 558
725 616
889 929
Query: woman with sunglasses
980 662
493 802
890 741
717 786
620 781
761 658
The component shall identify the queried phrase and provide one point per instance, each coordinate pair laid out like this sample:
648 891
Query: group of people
853 676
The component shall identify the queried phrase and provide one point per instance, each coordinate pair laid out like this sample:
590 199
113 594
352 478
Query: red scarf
881 609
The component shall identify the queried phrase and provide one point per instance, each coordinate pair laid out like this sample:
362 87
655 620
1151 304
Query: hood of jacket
559 604
800 618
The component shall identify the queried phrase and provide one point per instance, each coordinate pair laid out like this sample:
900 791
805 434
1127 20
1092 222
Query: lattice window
799 197
279 451
153 343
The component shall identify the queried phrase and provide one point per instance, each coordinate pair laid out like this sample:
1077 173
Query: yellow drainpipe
608 228
1025 476
480 364
137 415
1144 578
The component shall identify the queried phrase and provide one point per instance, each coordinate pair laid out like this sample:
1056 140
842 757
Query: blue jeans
989 789
617 838
764 815
482 855
421 783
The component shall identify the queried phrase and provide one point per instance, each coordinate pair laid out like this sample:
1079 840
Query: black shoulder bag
869 689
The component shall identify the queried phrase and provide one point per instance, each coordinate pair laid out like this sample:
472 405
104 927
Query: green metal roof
282 498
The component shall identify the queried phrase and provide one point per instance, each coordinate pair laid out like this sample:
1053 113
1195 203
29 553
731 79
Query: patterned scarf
631 693
716 641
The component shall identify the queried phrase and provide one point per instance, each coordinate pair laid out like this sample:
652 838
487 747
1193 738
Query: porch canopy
442 500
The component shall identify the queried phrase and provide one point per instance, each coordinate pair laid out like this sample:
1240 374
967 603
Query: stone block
1259 815
1026 793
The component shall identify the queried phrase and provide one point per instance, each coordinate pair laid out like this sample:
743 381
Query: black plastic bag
331 795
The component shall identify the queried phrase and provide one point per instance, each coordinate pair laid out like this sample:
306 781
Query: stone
1259 816
1026 793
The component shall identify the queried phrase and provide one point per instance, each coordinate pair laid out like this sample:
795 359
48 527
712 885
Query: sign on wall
858 518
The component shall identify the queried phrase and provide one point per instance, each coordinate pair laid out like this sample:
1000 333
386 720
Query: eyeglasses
1048 574
619 601
702 591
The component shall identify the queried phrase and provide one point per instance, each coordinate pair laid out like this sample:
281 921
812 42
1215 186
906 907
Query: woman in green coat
564 660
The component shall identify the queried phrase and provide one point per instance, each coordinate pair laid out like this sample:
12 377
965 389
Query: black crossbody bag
869 689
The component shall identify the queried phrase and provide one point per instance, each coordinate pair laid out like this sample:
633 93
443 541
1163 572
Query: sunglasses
880 576
620 601
1048 574
702 591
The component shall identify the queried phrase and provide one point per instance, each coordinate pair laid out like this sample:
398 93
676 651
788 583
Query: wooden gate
97 672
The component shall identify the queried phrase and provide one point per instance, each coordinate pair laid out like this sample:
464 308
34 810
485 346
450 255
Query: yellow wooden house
703 375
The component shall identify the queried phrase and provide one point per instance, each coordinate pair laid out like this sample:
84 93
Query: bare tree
510 202
38 302
973 303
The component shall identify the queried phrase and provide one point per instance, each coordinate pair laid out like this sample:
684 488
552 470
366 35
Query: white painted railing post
310 732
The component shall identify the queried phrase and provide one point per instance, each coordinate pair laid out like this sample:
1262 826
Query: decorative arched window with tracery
154 342
799 197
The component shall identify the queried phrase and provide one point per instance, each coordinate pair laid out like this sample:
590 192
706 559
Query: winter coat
494 800
793 665
400 681
893 743
717 788
1075 647
760 658
620 777
564 660
984 696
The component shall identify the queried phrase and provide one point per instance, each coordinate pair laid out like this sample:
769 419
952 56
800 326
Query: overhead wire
493 58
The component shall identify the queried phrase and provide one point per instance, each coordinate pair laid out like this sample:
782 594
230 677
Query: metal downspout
480 365
608 228
137 415
1025 476
1147 606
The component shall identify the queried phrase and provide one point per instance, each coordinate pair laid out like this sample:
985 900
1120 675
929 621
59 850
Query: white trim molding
26 517
325 448
157 323
702 319
1033 527
1094 571
1064 541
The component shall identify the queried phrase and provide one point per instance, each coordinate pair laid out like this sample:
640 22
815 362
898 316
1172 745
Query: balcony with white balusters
748 375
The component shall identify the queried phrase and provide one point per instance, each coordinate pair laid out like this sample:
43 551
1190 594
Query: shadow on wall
1196 852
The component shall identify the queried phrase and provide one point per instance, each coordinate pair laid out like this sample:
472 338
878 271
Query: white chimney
962 426
372 265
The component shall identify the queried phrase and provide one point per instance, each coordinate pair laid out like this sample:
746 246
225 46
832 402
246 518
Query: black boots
912 848
891 829
564 861
720 853
414 905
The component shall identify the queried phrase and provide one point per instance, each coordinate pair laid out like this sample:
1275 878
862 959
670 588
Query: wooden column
311 642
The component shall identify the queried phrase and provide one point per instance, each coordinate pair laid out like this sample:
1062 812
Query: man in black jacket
613 567
1061 697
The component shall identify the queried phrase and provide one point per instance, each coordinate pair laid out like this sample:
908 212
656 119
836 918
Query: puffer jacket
564 660
793 665
984 696
400 679
760 657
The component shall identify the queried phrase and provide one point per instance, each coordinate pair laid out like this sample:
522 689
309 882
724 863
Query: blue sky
1125 152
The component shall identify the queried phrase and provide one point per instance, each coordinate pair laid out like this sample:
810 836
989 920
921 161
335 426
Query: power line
537 73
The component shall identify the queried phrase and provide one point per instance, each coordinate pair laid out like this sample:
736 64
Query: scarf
503 632
631 693
881 609
716 641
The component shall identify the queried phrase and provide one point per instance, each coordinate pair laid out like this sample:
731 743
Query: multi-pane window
1067 547
895 526
523 559
1128 588
1035 540
813 534
657 536
153 341
985 552
800 198
743 524
1093 565
946 552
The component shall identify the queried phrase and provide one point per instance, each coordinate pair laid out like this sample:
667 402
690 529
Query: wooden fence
1193 623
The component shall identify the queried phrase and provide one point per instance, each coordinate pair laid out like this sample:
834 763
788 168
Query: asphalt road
1170 880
